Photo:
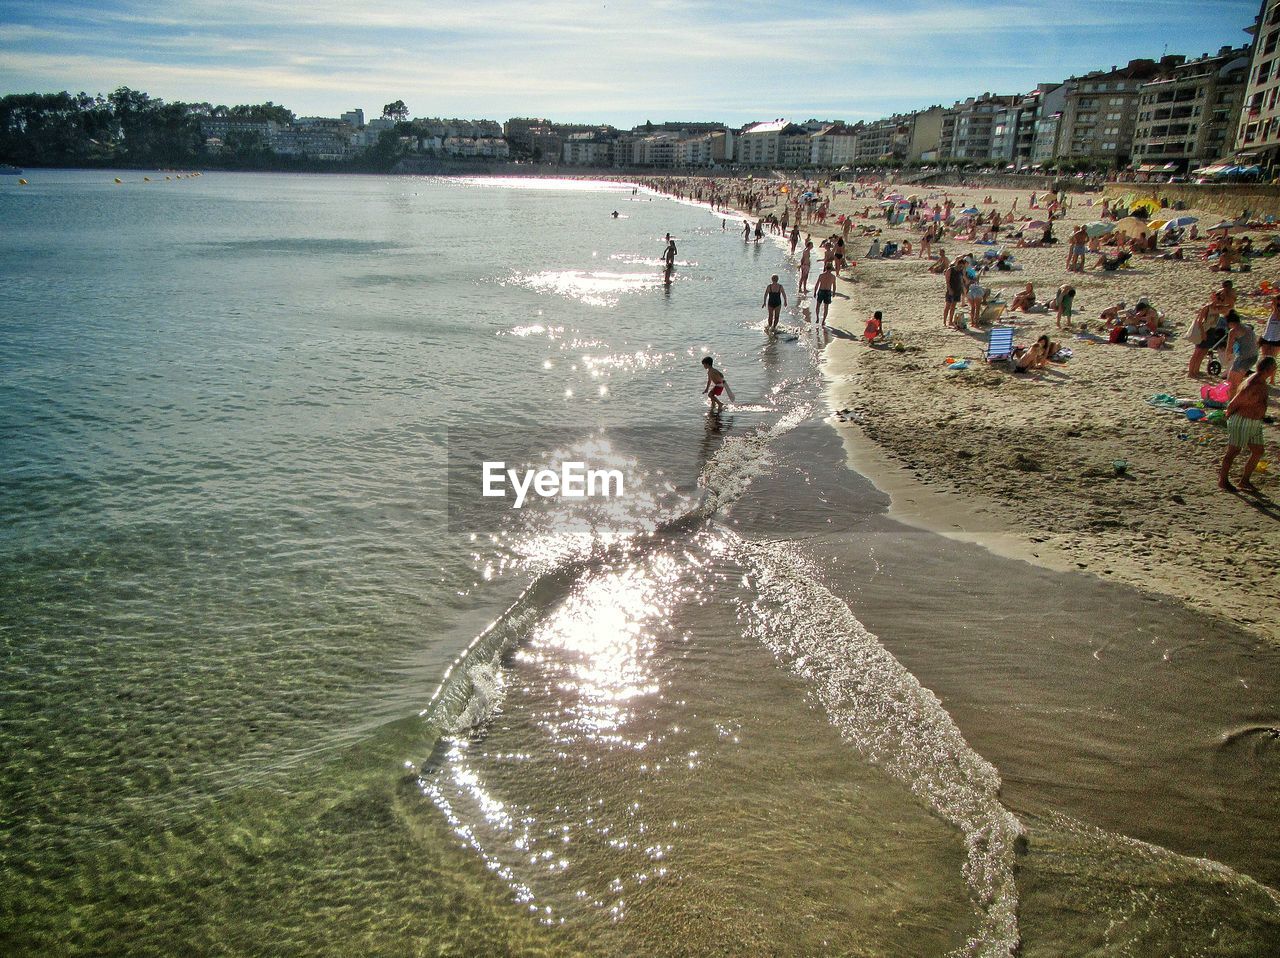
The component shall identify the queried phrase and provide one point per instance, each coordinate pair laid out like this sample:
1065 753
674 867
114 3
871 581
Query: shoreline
985 472
1023 465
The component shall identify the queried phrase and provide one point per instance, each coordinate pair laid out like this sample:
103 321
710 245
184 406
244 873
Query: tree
396 110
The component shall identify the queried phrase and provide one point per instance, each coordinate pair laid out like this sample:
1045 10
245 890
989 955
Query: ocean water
277 680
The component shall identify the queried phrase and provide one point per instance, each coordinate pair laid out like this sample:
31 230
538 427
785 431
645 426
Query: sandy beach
1025 464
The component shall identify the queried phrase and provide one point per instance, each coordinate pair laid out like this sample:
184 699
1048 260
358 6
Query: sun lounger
999 343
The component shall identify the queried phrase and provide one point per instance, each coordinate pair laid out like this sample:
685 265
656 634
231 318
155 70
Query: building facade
968 127
1258 130
901 138
1100 114
1188 117
833 146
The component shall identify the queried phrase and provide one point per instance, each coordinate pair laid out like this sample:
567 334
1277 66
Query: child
716 385
1066 298
874 325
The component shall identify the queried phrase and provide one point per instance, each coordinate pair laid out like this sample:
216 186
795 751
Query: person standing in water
746 230
824 289
806 259
715 386
775 297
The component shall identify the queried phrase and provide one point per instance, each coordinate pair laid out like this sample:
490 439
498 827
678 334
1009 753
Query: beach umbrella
888 203
913 196
893 196
1131 226
970 211
1226 226
1034 225
1098 228
1147 204
1179 222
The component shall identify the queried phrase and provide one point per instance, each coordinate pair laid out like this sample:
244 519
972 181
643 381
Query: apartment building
832 146
1100 114
1188 117
969 125
1258 131
901 138
776 143
1017 126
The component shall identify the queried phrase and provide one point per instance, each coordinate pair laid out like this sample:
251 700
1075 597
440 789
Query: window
1113 116
1108 146
1117 101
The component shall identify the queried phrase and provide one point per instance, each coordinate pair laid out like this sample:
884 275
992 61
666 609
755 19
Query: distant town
1174 116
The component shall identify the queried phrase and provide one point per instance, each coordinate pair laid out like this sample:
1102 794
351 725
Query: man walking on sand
824 289
1244 426
775 297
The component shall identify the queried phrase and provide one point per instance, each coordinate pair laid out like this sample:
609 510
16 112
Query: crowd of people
1218 332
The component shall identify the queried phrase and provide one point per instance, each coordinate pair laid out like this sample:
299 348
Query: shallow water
736 712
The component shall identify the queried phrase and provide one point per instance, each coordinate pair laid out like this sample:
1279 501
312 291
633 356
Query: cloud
598 59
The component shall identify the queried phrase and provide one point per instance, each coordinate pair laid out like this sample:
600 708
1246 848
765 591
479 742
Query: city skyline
575 61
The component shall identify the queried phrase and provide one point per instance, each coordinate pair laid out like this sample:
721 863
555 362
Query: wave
881 709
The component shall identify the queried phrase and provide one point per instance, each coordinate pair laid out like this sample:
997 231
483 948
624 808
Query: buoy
22 182
146 179
118 180
166 179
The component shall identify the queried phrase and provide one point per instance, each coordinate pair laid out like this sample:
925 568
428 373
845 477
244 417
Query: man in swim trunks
775 297
715 384
1244 426
1077 250
824 289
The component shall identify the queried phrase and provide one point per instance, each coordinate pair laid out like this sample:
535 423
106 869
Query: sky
602 61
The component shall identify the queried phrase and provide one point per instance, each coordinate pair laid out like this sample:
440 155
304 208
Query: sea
280 679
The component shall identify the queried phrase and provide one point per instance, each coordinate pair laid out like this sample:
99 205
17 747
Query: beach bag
1155 342
1119 334
1195 333
1219 393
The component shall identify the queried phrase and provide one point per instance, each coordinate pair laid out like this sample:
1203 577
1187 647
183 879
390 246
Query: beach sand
1025 464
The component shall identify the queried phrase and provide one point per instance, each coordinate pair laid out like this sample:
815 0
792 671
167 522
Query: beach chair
999 343
991 313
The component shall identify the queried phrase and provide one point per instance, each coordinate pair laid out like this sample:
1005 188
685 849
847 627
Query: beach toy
1261 466
1195 415
959 364
1218 417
